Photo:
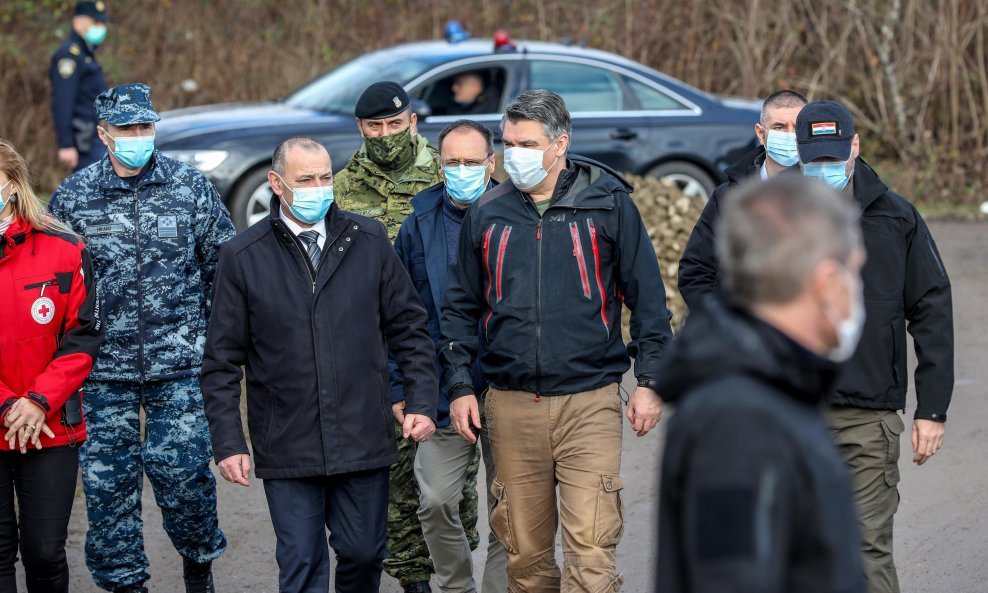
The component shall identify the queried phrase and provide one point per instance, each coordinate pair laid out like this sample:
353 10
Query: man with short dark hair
776 133
470 95
310 302
446 466
755 496
543 264
76 80
906 288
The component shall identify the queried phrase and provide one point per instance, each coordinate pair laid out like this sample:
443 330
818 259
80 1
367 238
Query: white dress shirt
295 228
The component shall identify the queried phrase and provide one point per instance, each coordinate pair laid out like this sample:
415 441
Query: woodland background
913 71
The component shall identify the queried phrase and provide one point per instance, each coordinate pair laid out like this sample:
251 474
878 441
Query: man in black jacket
776 132
755 497
545 261
310 301
905 287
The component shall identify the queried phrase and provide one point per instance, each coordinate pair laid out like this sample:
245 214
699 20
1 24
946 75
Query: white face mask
849 330
524 166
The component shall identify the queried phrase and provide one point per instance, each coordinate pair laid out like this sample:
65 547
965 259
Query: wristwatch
649 382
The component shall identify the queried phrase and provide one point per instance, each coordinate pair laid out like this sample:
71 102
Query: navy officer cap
824 129
381 100
97 9
126 104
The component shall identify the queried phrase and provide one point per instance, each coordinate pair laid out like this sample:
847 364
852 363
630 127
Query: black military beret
380 100
97 9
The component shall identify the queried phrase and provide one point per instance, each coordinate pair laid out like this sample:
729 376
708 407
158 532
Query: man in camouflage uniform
394 164
154 227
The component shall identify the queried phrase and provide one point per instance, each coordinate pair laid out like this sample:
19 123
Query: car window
338 91
584 88
473 91
651 99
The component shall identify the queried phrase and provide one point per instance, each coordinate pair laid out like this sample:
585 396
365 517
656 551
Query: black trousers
44 483
354 507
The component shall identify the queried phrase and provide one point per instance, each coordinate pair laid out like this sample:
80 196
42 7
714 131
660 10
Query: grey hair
785 99
303 142
773 234
545 107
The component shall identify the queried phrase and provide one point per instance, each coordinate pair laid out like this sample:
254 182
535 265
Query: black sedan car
626 115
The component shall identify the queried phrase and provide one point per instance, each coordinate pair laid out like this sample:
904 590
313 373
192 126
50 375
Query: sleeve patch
724 523
66 67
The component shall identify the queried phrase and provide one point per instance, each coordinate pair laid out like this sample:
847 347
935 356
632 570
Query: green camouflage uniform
364 188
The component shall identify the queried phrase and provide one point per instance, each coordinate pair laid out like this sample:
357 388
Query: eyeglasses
467 162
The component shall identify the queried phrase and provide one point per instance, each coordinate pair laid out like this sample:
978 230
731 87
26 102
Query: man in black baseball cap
394 164
826 142
904 282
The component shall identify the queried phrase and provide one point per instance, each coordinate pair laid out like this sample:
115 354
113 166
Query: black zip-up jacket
548 291
698 269
906 289
315 345
755 497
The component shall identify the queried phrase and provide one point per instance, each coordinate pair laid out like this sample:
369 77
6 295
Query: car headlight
204 160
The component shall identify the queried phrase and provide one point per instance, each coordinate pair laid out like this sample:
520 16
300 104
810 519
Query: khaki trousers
869 442
573 443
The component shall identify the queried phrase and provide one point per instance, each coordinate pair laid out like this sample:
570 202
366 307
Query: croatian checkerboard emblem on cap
43 310
824 128
396 101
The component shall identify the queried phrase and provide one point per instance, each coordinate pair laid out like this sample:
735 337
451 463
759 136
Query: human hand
644 410
68 157
236 469
927 439
464 413
420 428
25 422
398 411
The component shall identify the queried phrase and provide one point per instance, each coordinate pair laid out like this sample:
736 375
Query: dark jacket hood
746 166
720 340
868 186
587 180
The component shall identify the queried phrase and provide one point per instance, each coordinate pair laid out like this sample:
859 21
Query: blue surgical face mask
309 204
3 202
95 34
133 152
524 166
781 147
465 184
833 173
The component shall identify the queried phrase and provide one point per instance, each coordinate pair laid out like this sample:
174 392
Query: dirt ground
941 528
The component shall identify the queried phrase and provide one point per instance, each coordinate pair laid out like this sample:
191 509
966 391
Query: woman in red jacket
50 328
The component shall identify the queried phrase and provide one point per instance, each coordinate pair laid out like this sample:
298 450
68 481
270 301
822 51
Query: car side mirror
421 109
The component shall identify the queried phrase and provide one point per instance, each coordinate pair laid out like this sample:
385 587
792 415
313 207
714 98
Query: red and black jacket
52 324
548 290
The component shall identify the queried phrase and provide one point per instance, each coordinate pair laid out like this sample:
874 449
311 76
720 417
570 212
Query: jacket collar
83 45
747 166
15 235
158 174
868 186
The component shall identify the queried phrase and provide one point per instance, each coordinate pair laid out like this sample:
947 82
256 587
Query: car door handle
624 134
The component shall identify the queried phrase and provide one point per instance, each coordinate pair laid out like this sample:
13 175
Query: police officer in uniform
154 226
379 181
76 80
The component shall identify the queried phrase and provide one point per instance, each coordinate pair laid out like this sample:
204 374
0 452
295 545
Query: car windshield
338 90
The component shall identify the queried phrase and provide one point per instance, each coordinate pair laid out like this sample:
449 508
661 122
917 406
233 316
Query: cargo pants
175 455
569 441
869 442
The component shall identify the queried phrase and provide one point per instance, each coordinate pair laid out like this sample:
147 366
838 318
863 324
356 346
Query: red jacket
50 324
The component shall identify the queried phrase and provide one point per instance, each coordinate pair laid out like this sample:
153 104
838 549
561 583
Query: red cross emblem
43 310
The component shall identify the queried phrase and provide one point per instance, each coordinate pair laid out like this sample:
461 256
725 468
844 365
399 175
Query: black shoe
198 577
420 587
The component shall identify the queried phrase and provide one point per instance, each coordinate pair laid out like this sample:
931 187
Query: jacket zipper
140 289
600 283
574 232
502 249
936 258
487 268
538 310
41 285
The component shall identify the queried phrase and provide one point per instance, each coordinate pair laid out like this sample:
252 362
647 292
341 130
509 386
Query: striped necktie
311 241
